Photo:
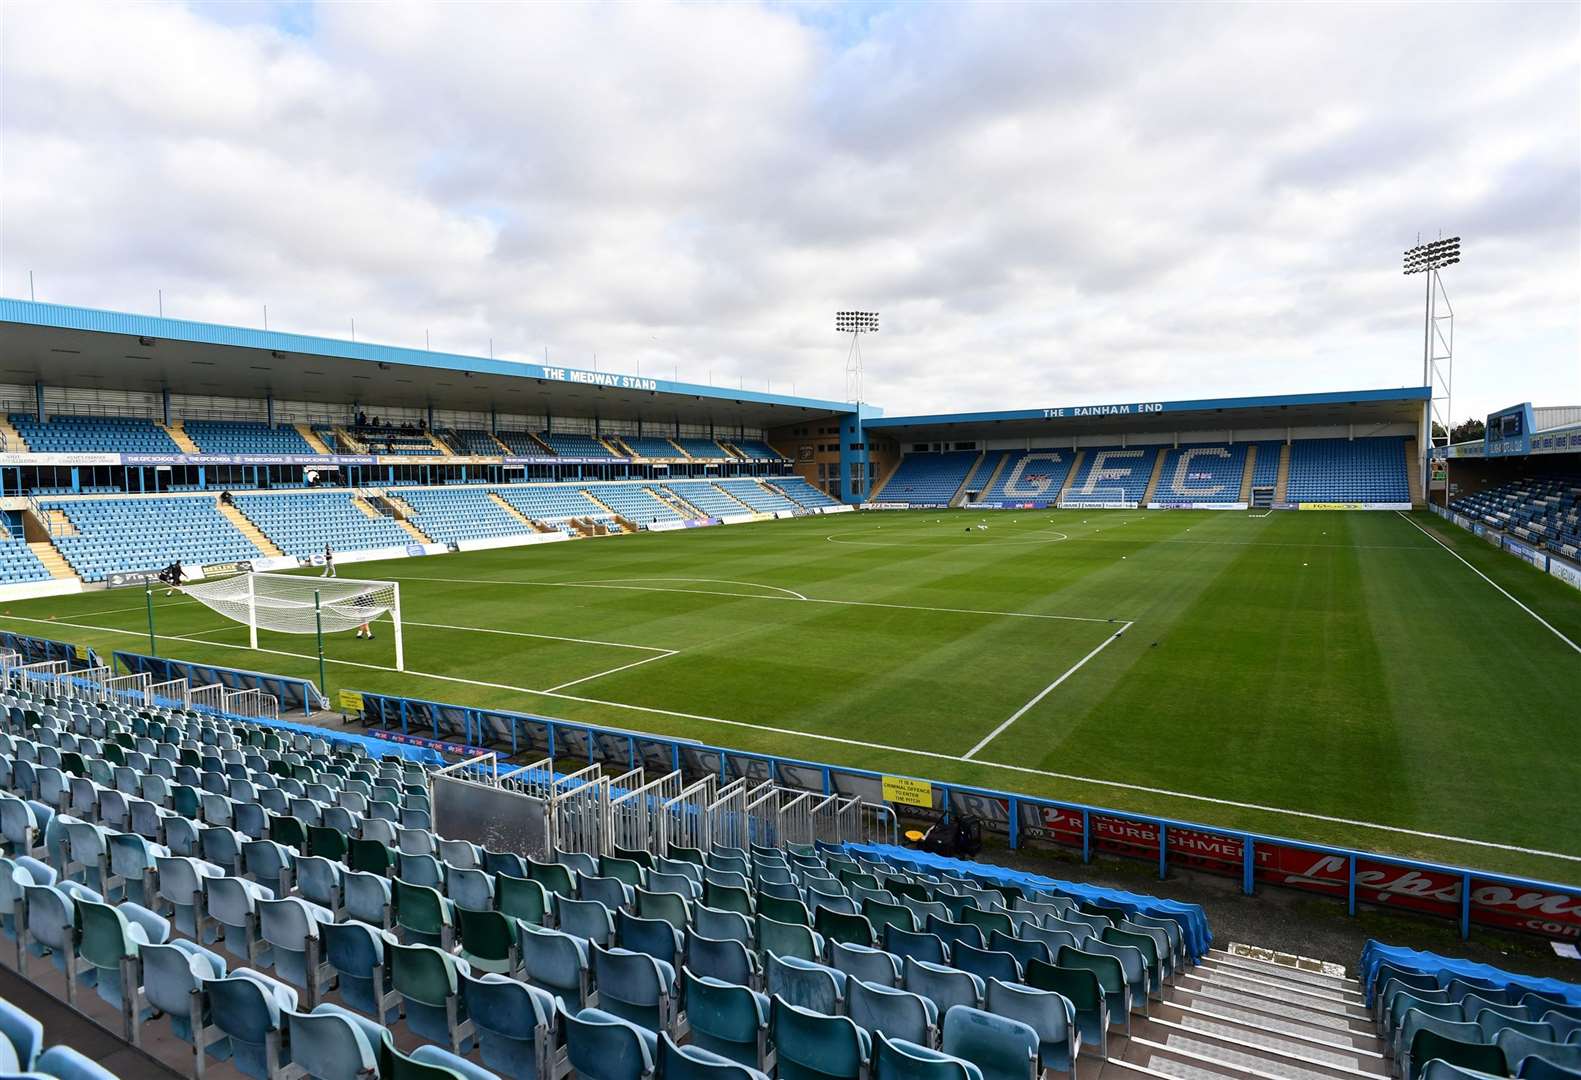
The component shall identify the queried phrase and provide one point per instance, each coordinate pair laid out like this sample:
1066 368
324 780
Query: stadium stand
17 561
1545 511
554 505
475 441
706 497
520 442
1202 474
460 514
301 524
930 479
634 502
1114 474
799 489
1265 472
93 435
112 536
756 450
1030 474
756 496
649 447
240 437
574 445
703 449
1348 470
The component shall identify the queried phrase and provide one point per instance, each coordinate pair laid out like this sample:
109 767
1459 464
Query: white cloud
1049 204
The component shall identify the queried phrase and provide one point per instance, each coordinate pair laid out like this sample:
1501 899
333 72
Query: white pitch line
905 750
1551 628
599 675
546 637
717 581
1045 692
755 596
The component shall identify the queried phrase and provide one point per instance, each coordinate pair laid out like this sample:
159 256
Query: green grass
1334 664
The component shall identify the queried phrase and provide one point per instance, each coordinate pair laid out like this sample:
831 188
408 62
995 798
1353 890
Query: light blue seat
232 903
656 937
332 1042
589 920
1538 1068
436 1062
1519 1046
368 898
635 987
865 963
728 1019
727 960
51 928
986 964
788 940
722 925
469 887
1051 1015
23 1033
172 977
611 892
811 1046
359 955
292 928
919 946
946 987
899 1059
556 962
904 1015
319 879
515 1024
806 984
64 1063
181 881
695 1063
602 1046
249 1008
1004 1049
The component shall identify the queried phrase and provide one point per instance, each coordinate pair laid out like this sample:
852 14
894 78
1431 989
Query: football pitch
1380 680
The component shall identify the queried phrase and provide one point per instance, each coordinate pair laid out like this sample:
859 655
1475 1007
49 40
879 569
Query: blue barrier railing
37 650
1466 895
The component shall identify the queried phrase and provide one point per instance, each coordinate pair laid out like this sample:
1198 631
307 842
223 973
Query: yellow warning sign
350 701
903 789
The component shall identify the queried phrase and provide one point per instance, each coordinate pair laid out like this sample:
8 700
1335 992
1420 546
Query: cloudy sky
1049 204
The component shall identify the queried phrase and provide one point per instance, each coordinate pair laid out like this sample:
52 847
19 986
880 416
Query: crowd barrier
36 650
1467 896
294 695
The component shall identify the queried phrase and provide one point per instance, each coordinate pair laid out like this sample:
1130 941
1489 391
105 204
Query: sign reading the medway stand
903 789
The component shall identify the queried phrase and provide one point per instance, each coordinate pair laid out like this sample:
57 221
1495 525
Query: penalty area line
902 750
1045 692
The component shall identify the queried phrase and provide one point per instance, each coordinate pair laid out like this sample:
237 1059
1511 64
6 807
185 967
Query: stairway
517 514
310 437
993 477
440 444
782 493
56 523
613 444
1413 474
346 440
676 503
1158 471
745 509
1282 485
245 526
179 436
872 496
499 442
1246 477
10 438
1252 1014
1070 477
52 559
401 513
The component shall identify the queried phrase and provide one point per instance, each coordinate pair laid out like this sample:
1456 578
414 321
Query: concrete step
1194 1056
1276 990
1288 964
1260 1035
1203 1012
1289 973
1276 1016
1247 1046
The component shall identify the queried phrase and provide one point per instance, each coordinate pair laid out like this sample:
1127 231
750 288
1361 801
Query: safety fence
787 800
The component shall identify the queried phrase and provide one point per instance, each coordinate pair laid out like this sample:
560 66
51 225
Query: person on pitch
329 562
171 576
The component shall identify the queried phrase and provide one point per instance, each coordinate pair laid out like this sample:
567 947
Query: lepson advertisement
1570 575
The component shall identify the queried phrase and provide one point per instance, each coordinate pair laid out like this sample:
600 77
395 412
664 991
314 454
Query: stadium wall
1463 895
1566 571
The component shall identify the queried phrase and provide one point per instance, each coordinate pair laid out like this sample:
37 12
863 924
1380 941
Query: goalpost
291 604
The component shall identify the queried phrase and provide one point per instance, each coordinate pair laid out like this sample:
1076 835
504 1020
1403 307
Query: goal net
290 604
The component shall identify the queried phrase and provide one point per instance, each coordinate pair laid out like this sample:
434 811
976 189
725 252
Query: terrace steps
500 443
1282 484
1004 459
625 523
890 475
679 452
348 441
1152 481
670 499
959 498
178 435
52 559
781 492
1246 477
517 514
1070 477
10 438
440 444
1413 473
245 526
612 444
745 509
57 523
311 438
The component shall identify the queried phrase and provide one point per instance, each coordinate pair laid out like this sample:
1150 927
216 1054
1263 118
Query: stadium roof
70 346
1402 405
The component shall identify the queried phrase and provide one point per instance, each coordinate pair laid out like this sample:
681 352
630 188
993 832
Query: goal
291 604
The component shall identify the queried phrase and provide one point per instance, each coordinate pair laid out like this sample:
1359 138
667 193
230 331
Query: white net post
395 618
252 610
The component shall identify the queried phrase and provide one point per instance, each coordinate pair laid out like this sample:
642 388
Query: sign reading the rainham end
1104 410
